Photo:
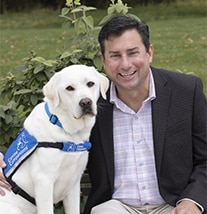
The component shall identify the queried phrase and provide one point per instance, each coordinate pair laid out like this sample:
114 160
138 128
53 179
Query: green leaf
34 100
23 91
106 19
70 53
110 10
88 8
91 54
66 17
65 11
76 10
80 26
8 119
66 25
97 62
65 55
50 63
89 21
2 114
38 59
119 8
38 68
74 60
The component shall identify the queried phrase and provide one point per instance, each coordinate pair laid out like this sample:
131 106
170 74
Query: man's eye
90 84
70 88
115 56
133 53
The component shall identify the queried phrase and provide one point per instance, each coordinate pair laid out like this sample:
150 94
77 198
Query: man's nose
125 62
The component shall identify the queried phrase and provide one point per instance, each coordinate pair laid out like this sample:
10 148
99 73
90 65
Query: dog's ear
50 90
104 83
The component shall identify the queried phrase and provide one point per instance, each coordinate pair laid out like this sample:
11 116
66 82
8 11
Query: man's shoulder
174 77
172 74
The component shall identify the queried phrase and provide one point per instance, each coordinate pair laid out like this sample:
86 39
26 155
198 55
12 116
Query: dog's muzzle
86 106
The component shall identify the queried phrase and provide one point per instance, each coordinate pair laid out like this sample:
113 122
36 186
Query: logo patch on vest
20 148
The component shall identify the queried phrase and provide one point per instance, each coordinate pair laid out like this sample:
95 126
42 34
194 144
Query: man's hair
118 25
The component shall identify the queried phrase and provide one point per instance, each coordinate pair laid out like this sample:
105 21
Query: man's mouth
128 74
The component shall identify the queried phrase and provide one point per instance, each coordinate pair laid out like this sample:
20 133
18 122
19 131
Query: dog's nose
85 103
86 106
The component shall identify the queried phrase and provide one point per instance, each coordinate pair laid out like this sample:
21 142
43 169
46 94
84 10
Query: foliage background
20 5
34 46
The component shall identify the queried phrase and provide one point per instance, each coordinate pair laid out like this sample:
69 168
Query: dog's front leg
44 197
72 200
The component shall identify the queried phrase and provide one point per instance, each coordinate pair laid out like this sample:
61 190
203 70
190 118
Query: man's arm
3 182
186 206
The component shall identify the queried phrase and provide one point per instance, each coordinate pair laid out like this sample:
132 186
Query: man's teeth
127 75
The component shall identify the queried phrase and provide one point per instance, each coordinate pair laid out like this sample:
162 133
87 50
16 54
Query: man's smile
128 74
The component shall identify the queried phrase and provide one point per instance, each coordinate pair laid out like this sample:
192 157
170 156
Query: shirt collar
115 100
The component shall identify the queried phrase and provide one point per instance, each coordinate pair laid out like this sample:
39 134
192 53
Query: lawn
178 33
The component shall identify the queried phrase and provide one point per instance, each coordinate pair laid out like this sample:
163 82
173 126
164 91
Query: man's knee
108 207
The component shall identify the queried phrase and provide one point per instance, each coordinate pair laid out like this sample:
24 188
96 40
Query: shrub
24 93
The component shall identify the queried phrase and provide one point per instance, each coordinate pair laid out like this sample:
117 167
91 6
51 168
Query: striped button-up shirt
135 174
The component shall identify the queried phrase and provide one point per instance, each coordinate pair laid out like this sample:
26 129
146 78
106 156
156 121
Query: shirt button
141 164
138 141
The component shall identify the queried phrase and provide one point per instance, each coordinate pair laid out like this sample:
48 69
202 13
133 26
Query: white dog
50 175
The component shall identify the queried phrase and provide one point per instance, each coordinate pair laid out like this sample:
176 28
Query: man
149 141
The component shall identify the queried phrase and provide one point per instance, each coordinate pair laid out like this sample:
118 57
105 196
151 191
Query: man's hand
186 207
3 182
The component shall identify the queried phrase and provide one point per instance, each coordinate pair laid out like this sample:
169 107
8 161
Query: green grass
178 33
38 30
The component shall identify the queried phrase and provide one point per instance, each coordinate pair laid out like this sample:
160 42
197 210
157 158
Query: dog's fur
51 175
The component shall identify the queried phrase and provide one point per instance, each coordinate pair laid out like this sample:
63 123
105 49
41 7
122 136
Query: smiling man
128 66
149 141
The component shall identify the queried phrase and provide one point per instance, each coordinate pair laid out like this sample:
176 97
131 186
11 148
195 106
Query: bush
24 93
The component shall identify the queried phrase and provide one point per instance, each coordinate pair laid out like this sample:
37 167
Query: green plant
10 124
83 48
24 93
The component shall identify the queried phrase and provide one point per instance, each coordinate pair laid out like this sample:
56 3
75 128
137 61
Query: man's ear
102 60
50 90
150 52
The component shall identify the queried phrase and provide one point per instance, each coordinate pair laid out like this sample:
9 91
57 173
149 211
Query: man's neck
133 98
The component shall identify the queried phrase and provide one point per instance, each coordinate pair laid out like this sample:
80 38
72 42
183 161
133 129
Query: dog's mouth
89 114
86 108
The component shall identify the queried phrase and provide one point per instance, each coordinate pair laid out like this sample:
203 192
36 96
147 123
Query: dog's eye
70 88
90 84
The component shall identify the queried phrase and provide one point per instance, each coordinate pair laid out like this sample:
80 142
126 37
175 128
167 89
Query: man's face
126 61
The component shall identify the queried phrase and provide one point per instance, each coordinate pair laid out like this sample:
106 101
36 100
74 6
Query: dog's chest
69 174
60 169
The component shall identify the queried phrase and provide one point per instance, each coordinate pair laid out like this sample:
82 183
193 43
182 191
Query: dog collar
52 118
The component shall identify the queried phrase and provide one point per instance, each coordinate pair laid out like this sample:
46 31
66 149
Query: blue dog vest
21 147
24 145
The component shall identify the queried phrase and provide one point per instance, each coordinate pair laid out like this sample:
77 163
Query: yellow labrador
63 121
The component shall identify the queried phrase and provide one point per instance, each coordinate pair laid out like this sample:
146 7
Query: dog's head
76 89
